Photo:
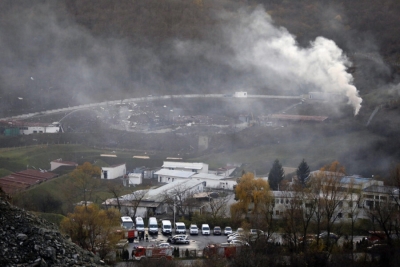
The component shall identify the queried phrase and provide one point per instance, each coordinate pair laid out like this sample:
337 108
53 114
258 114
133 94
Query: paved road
140 99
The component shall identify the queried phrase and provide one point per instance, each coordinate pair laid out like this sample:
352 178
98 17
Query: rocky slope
26 240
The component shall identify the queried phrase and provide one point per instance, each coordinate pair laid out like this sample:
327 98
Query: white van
153 226
166 227
180 228
205 229
139 224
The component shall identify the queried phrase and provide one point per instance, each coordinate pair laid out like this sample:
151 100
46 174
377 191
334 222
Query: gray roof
183 165
382 189
208 176
174 173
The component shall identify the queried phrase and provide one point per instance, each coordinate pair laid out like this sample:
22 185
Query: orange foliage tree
252 195
93 228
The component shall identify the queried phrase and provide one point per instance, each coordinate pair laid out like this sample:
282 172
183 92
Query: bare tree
179 199
291 217
116 190
331 195
218 206
135 199
384 212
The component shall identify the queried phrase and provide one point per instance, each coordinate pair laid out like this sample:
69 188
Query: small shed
135 178
113 172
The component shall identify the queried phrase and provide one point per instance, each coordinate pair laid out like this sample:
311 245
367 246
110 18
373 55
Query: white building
215 181
196 167
40 128
33 127
113 172
169 176
372 194
135 178
59 162
154 199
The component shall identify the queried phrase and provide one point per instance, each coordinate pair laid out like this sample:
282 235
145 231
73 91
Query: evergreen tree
276 175
303 172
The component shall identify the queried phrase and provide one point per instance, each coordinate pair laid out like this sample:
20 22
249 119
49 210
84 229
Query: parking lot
197 242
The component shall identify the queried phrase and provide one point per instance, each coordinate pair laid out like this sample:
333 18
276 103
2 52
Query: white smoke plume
274 58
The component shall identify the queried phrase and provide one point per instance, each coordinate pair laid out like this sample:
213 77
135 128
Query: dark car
180 240
217 230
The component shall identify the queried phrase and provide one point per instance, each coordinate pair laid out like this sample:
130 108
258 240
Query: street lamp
174 211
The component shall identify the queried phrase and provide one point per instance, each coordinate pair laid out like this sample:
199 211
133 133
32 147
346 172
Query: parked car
377 248
217 230
309 239
205 229
164 245
193 230
180 240
180 228
227 230
236 236
256 232
233 234
332 236
175 236
239 242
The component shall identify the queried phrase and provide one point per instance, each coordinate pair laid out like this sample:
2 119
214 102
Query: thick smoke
49 61
272 58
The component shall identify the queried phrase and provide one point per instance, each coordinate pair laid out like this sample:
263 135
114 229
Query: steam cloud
274 58
246 52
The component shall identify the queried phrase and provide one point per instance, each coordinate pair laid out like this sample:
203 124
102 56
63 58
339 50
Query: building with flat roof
113 172
186 166
168 176
153 201
54 164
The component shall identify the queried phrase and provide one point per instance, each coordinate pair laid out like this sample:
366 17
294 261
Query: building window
350 204
340 204
277 201
277 212
340 215
281 200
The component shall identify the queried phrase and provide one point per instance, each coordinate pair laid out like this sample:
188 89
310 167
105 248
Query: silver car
228 230
180 240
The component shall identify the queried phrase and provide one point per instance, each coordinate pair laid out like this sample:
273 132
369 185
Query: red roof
24 179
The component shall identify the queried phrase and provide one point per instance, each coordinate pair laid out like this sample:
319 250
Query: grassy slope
17 159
